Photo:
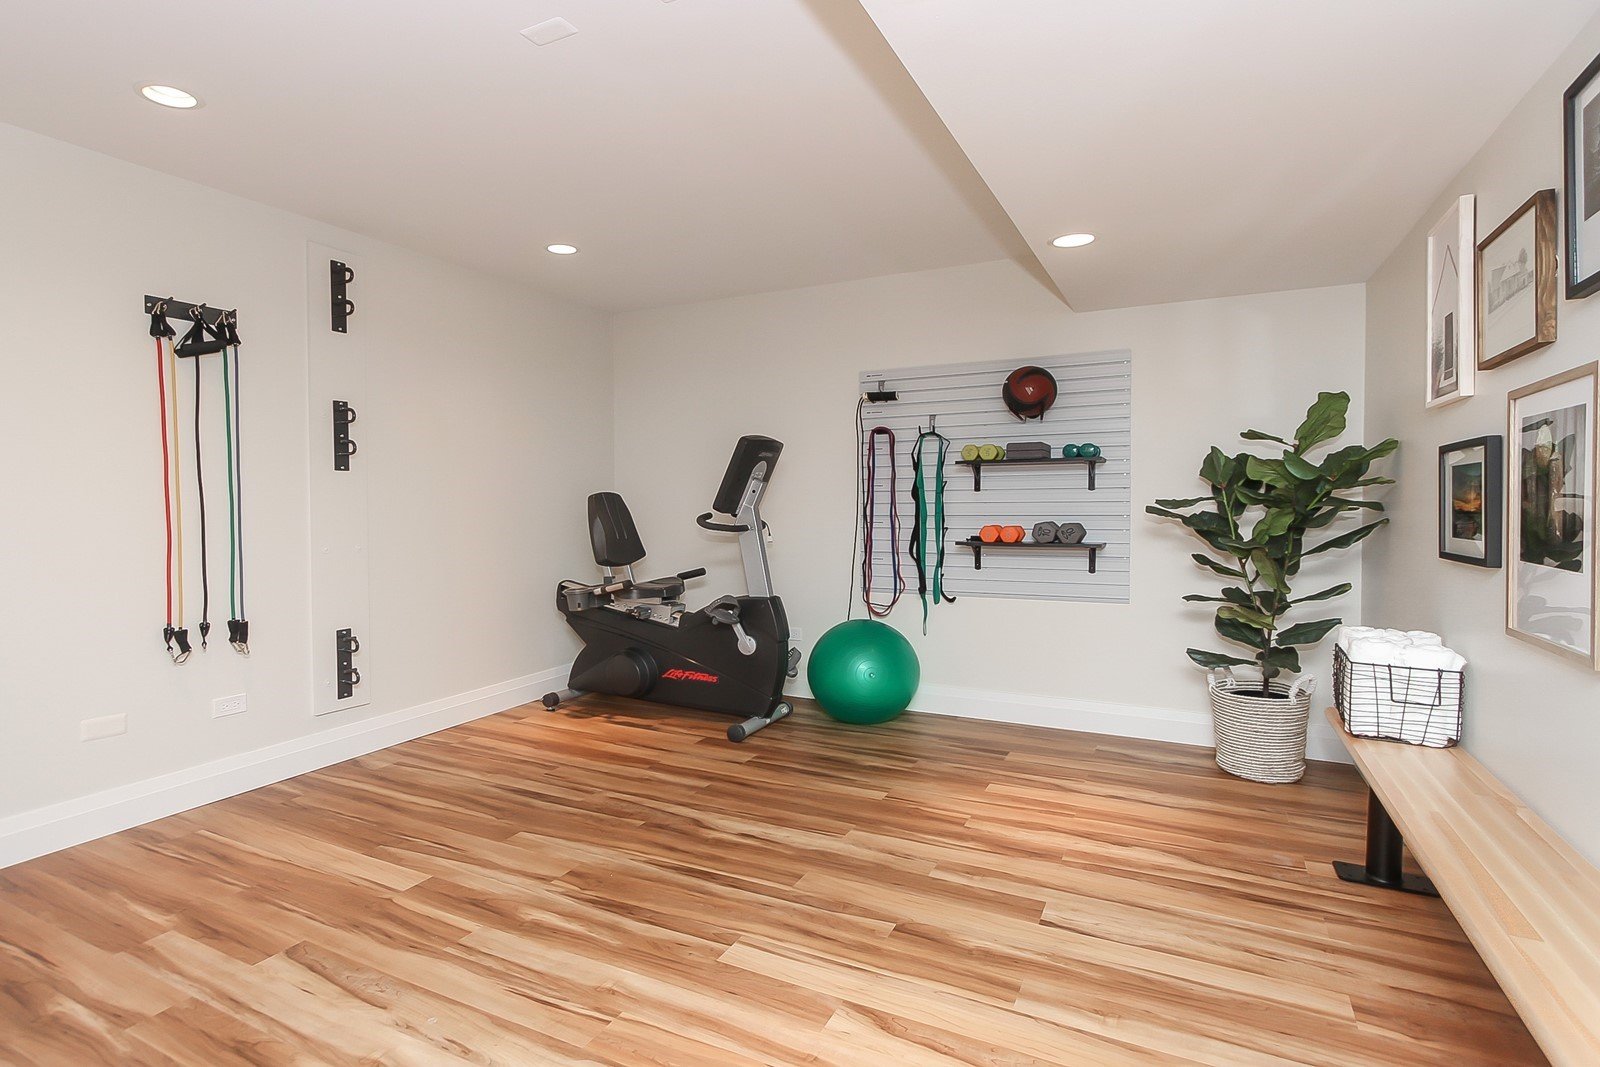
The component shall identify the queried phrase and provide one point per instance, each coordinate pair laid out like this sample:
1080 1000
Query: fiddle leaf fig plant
1255 524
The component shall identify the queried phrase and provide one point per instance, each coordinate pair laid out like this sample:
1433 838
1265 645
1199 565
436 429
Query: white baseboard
1186 726
71 822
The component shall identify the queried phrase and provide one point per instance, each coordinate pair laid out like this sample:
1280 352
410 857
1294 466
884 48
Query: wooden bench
1528 901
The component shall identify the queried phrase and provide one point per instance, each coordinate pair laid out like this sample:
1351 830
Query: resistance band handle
181 638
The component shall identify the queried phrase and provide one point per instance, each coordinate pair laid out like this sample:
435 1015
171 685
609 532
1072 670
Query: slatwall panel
1095 403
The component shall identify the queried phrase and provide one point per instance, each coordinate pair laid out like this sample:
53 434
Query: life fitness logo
678 674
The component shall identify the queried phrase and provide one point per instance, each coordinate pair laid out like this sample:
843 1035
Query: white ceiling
692 150
704 148
1220 147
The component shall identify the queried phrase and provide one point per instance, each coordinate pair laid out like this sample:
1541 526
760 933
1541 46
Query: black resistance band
868 521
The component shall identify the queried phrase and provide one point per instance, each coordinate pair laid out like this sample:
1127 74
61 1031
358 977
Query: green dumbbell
1089 450
1070 451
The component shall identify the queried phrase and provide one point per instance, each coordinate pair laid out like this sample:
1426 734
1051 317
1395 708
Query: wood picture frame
1516 276
1472 501
1552 488
1451 356
1580 142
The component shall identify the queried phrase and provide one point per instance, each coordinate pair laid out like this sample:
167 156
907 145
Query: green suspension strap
232 398
921 527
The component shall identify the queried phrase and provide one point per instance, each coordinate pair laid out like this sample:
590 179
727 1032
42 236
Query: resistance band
868 521
238 627
200 488
176 634
160 330
921 527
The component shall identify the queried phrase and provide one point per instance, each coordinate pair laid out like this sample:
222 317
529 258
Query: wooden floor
592 888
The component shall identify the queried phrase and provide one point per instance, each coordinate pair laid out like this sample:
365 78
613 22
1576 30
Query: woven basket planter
1262 739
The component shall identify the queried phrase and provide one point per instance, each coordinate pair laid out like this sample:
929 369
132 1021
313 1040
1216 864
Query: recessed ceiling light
549 31
167 96
1073 240
562 250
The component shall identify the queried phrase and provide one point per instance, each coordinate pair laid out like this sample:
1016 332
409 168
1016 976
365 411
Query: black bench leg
1383 867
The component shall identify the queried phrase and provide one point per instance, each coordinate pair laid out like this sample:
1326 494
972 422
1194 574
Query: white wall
1532 717
691 379
486 423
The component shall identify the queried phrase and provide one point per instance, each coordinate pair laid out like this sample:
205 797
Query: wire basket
1412 705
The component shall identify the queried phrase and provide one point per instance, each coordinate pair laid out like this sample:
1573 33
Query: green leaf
1344 503
1301 468
1210 660
1268 470
1281 659
1217 468
1346 540
1187 502
1257 435
1234 630
1163 512
1269 570
1325 420
1207 561
1274 523
1327 594
1248 616
1307 633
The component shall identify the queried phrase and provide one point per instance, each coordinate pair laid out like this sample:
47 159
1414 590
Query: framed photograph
1550 577
1452 327
1472 500
1580 120
1516 273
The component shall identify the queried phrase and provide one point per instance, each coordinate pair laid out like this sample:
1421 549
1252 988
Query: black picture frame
1578 285
1491 501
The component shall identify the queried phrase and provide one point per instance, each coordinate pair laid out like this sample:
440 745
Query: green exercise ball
1089 451
863 672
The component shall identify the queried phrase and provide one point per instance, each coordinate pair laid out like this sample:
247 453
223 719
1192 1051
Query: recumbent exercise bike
639 640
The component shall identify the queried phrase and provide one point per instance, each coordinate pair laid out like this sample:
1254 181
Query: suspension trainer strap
922 528
869 522
942 530
919 526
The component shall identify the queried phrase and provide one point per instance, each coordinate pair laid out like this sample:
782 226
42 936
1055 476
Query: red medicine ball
1029 392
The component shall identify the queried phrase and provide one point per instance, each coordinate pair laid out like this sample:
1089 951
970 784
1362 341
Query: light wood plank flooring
592 887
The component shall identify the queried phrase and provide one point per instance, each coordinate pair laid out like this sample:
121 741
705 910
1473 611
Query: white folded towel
1418 707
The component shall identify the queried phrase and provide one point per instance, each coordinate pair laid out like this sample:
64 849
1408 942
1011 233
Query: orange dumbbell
1010 535
989 534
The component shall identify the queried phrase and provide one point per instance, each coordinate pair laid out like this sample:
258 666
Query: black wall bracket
339 276
343 446
348 645
178 312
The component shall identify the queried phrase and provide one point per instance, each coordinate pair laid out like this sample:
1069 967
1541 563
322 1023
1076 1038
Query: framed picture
1580 120
1452 329
1550 578
1516 273
1472 500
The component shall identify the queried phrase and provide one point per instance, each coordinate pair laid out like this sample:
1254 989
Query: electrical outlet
227 706
795 633
104 726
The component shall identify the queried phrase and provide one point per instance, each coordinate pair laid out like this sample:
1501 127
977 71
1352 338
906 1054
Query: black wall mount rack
183 311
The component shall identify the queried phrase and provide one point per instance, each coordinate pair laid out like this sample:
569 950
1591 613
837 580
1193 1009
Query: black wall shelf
977 466
979 547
